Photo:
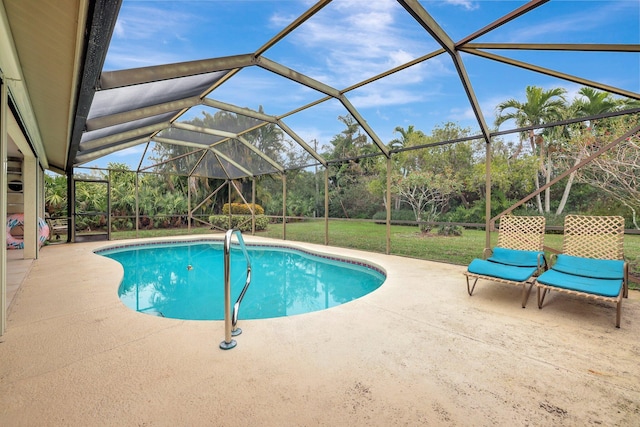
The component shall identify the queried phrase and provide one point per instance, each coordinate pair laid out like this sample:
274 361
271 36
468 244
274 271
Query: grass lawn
405 240
408 241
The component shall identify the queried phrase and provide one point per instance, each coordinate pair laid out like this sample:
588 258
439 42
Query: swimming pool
185 280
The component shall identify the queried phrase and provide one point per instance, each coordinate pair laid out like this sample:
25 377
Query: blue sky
351 40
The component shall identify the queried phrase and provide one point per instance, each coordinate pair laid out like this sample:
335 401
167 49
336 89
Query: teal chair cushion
501 271
515 257
590 285
590 267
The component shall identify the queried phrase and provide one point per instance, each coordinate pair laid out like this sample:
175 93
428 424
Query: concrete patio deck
418 351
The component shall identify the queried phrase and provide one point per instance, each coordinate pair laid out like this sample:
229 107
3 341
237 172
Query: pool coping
174 241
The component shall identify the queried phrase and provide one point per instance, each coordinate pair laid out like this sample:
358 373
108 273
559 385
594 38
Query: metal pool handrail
231 319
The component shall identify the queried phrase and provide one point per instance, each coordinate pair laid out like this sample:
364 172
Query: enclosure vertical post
189 204
253 204
229 200
326 206
3 205
137 206
71 207
109 207
487 226
284 206
388 205
30 208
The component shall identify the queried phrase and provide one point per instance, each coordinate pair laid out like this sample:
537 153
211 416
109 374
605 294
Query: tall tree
349 194
405 137
589 103
616 171
541 106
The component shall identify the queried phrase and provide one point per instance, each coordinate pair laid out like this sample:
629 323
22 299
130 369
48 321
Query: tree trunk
532 142
547 192
567 189
538 199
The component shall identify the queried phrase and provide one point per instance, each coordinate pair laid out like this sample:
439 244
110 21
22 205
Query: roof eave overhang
100 23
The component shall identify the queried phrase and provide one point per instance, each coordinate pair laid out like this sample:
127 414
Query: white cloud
465 4
132 151
118 29
355 40
144 22
578 21
143 32
462 114
384 98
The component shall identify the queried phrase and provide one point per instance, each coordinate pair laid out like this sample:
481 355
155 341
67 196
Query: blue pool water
186 280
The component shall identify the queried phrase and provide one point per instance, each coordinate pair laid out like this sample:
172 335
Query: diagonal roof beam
216 132
134 76
195 166
499 22
590 47
84 157
301 142
233 162
395 70
364 82
295 24
418 12
261 154
217 155
197 149
123 136
210 89
283 71
173 141
363 123
305 107
553 73
428 23
200 129
141 113
238 110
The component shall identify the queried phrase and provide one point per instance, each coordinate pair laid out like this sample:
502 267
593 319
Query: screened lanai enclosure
358 109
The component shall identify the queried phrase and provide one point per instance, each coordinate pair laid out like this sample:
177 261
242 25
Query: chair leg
525 293
618 313
541 296
470 289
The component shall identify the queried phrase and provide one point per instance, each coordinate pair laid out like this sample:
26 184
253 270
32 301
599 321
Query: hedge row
242 209
222 221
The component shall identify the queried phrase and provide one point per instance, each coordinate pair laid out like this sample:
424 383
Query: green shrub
450 230
242 209
222 221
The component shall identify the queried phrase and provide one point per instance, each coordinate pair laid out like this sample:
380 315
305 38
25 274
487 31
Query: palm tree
56 195
405 137
592 103
541 106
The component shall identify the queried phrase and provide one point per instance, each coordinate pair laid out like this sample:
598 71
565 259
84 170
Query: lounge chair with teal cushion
516 259
591 263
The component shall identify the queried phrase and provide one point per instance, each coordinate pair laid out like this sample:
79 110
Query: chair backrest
521 232
600 237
